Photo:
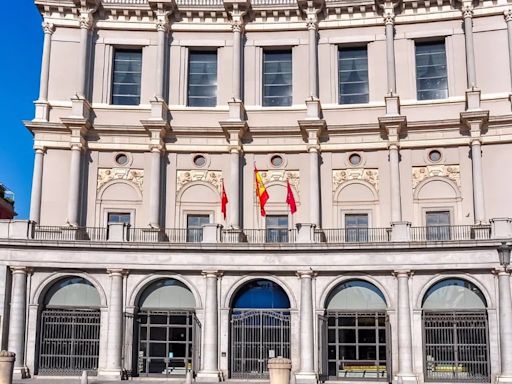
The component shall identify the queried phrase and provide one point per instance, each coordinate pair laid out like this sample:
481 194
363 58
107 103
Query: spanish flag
261 191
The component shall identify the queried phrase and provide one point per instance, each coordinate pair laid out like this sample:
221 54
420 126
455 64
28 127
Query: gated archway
354 339
455 333
260 328
166 330
69 334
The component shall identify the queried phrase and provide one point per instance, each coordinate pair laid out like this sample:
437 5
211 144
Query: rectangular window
277 78
431 75
353 75
438 225
276 227
195 227
117 217
202 79
356 227
127 77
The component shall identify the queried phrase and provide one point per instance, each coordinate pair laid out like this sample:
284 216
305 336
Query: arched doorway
69 334
260 328
166 330
455 333
354 333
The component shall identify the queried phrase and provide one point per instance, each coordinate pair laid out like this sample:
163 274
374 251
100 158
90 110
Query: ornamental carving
281 175
134 176
211 177
451 172
341 176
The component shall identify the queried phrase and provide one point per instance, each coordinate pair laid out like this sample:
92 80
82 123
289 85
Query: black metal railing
352 235
451 232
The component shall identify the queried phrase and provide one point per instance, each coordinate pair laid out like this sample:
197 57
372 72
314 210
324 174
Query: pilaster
307 372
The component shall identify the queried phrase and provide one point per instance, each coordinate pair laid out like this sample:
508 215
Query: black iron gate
69 341
456 346
256 336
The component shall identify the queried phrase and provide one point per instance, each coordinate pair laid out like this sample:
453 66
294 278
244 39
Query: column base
504 379
110 374
405 378
20 373
306 378
208 377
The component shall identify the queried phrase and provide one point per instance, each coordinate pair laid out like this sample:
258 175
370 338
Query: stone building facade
390 121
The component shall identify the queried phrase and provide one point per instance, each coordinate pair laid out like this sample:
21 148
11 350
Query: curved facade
381 133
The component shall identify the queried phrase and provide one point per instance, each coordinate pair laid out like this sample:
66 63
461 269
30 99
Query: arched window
69 327
261 294
354 333
168 330
455 330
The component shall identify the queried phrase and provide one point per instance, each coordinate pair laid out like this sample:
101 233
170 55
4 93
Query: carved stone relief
134 176
282 175
212 177
340 176
419 174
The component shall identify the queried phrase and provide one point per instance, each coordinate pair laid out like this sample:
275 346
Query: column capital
213 273
162 22
153 148
40 149
389 18
237 11
467 11
403 273
86 18
48 28
117 272
16 269
305 274
508 15
501 271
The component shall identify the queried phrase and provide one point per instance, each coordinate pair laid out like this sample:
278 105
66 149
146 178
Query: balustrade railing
270 235
451 232
352 235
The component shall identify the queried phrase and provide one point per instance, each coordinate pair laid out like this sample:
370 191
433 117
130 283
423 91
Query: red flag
223 201
290 199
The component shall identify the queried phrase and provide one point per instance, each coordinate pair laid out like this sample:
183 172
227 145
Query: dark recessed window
127 77
354 159
277 78
434 156
199 161
122 159
276 160
118 217
202 79
276 228
431 75
353 75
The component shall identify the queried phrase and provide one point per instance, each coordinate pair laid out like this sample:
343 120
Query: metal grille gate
69 341
256 336
456 346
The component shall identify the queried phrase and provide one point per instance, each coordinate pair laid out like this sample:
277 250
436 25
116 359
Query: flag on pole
223 200
290 199
261 191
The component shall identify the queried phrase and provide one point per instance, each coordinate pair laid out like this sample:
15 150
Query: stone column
74 184
467 14
234 188
154 189
508 19
307 327
17 319
313 58
390 52
86 20
478 183
115 324
37 183
237 59
210 367
404 330
314 178
162 27
48 29
394 167
505 324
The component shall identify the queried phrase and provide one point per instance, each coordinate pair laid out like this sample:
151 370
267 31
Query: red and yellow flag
261 191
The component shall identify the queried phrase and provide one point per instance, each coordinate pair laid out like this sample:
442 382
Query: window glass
116 217
431 77
195 227
276 228
202 79
438 218
353 75
277 78
438 225
127 77
356 227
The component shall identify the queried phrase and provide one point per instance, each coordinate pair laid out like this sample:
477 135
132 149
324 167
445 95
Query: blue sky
19 73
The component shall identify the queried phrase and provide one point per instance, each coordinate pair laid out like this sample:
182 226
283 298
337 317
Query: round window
276 160
199 161
122 159
434 156
354 159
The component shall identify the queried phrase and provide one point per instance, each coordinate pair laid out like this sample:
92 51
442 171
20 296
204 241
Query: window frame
282 232
419 42
339 48
264 51
115 49
197 232
438 232
191 51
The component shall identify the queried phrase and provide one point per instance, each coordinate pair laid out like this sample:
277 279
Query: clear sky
19 74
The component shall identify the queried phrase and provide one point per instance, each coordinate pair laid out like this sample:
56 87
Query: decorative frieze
340 176
188 176
451 172
134 176
281 175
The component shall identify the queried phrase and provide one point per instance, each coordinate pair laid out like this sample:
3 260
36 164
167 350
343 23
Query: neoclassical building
390 122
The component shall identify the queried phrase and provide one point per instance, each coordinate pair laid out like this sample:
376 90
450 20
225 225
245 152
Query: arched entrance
354 333
455 333
166 330
69 334
260 328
